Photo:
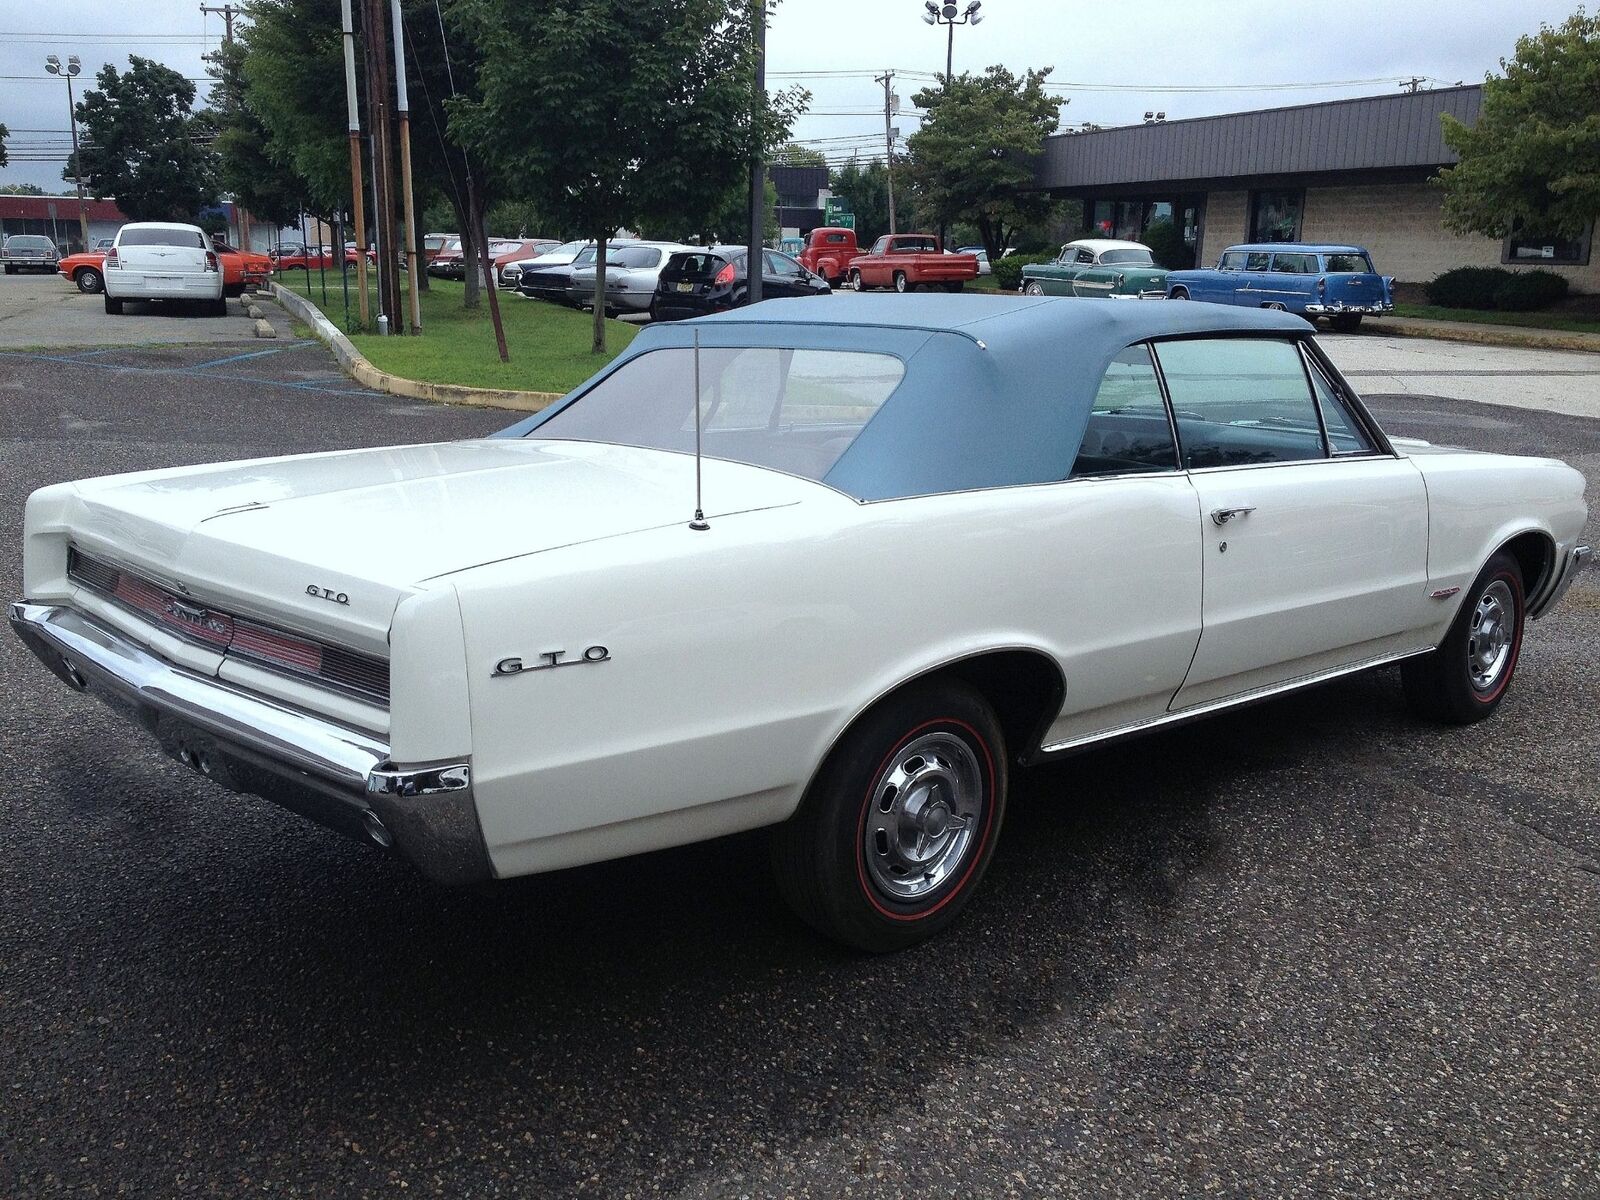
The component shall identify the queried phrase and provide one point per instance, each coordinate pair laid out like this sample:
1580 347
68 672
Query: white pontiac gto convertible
942 537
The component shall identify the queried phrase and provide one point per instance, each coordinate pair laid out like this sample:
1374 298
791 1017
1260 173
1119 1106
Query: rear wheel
1345 322
955 285
1466 678
10 270
900 822
114 307
1033 288
901 283
88 280
854 282
217 307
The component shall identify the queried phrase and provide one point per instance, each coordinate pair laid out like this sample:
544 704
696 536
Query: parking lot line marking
304 386
217 362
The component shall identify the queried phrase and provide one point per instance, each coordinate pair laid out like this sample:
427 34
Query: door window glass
1128 429
782 265
1259 261
1344 432
1240 401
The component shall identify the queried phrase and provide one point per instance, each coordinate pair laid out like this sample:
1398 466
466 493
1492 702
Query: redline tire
933 758
1467 677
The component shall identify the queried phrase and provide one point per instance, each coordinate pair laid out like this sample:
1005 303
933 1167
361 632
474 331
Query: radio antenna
699 524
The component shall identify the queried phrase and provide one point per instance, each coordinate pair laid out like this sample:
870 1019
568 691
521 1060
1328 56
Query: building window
1275 216
1535 251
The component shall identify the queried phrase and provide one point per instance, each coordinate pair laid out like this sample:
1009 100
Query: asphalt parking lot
1313 948
39 311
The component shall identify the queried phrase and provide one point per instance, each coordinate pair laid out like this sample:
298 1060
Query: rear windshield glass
1127 258
1349 262
789 410
635 256
694 264
23 241
162 237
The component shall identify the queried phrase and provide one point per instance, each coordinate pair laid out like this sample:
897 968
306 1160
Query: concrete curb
358 368
1487 335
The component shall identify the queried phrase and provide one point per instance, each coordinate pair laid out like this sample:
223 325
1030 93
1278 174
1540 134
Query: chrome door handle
1223 515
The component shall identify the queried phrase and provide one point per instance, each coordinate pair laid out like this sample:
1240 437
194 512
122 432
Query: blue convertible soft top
997 389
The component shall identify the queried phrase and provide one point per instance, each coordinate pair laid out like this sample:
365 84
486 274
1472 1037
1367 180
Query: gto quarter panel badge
322 593
552 659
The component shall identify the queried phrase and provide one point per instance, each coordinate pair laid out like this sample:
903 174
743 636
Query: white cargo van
153 260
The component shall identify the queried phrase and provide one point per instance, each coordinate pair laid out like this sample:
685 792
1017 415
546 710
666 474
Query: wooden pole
353 114
403 109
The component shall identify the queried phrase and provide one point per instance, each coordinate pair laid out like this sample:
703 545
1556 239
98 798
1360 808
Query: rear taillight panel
724 276
211 261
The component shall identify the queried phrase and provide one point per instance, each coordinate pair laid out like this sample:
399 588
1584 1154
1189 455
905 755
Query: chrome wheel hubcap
1493 634
924 817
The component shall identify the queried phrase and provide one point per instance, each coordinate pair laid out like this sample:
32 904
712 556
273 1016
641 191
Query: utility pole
226 12
403 110
377 55
755 264
887 79
353 122
1412 84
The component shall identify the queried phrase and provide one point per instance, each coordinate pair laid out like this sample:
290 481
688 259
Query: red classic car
241 269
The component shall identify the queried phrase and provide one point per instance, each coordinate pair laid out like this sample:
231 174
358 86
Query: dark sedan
716 279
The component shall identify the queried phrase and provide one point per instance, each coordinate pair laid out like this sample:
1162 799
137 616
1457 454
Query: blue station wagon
1336 282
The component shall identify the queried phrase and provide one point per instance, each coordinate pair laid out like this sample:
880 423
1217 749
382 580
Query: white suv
153 260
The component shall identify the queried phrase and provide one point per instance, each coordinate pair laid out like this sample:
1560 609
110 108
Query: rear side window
1241 401
162 237
1356 263
1128 431
1295 264
1258 260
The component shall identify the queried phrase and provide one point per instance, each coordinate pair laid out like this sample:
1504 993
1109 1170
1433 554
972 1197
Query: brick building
1344 171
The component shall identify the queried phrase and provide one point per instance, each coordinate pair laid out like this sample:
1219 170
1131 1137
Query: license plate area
685 286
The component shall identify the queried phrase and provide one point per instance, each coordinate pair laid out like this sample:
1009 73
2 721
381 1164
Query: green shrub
1167 246
1008 271
1527 291
1467 287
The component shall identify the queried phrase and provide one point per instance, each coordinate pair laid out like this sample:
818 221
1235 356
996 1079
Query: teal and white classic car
1097 267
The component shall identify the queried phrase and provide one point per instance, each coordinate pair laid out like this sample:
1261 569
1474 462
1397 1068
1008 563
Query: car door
1116 556
1292 280
784 277
1253 282
1314 534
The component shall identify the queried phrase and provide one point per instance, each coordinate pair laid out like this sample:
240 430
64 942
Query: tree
4 134
728 222
1532 161
144 144
973 159
866 187
23 189
262 186
663 141
791 155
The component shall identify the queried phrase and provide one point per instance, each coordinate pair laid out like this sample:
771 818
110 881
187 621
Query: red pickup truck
829 252
907 261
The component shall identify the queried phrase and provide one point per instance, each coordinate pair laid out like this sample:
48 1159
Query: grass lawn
1477 316
549 343
984 283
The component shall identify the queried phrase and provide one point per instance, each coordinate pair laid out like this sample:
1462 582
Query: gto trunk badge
322 593
552 659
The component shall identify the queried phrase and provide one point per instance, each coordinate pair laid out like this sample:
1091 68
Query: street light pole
950 15
73 65
755 262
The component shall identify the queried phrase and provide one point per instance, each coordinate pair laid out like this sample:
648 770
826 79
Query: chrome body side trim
1561 578
336 776
1239 701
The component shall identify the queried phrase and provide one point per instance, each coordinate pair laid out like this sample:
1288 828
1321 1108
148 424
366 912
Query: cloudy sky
1114 59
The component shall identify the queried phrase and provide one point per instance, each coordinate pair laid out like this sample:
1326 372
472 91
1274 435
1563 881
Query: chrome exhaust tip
377 830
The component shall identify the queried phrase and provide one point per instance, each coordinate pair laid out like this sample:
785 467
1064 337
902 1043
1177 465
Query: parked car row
241 269
904 261
1311 279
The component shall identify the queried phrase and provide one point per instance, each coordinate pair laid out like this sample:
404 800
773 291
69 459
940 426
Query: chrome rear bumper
336 776
1567 570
